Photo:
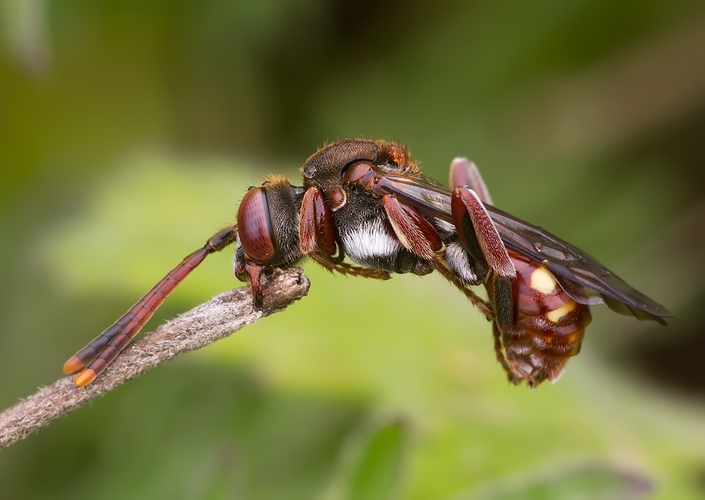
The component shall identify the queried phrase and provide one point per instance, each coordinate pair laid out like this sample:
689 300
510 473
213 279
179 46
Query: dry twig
199 327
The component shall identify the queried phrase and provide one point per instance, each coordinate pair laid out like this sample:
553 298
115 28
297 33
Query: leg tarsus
483 306
499 350
254 273
349 269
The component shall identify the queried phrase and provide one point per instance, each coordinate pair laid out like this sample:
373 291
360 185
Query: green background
130 130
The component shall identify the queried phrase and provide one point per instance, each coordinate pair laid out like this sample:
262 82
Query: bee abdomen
548 325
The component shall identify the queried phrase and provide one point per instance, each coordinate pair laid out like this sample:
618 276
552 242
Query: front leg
318 237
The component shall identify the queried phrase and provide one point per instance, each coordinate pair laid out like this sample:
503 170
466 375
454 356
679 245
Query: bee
366 210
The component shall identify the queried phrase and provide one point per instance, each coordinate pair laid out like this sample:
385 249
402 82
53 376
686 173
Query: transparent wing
583 278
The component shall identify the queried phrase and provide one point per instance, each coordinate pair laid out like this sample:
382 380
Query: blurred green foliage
130 130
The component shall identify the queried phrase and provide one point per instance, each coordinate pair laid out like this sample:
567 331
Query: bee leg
465 175
102 350
318 237
317 232
481 239
413 231
483 306
419 237
463 172
467 183
252 273
478 233
466 180
514 377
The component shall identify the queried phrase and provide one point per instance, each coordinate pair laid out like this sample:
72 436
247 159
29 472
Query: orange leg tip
73 365
85 377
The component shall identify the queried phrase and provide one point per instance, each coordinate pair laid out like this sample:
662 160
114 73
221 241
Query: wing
581 276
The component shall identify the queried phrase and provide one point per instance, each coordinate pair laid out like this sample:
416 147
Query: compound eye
254 227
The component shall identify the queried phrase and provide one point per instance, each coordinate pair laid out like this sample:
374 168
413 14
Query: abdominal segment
548 325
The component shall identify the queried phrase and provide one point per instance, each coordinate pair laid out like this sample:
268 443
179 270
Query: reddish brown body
548 326
366 210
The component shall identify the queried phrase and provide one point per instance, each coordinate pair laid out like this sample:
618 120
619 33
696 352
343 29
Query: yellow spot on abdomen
558 314
542 281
